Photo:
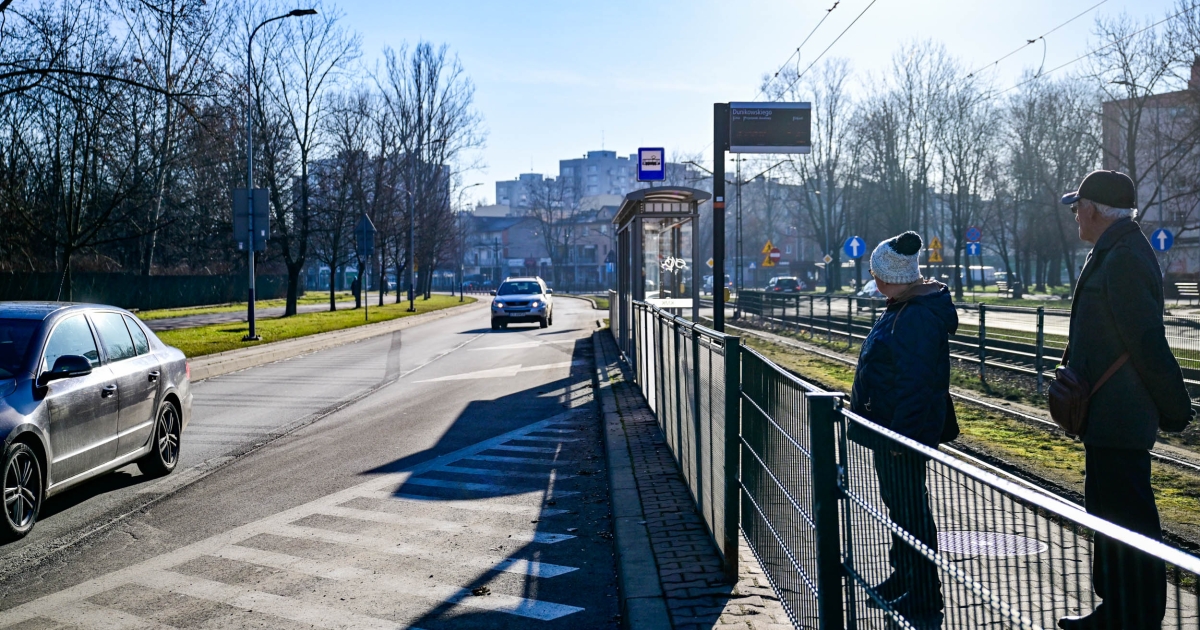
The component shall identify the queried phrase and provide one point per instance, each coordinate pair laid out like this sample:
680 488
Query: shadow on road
557 474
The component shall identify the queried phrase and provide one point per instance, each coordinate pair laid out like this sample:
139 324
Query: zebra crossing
481 537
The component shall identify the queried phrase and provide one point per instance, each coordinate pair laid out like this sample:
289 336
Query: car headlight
498 304
535 304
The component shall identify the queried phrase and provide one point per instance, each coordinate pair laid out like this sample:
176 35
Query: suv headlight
535 304
498 304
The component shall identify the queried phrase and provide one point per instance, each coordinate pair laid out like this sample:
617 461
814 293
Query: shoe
1097 620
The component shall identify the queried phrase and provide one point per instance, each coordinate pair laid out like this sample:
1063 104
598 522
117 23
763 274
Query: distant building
1165 154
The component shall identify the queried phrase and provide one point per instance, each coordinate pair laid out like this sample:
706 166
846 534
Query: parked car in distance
786 284
522 300
707 287
84 389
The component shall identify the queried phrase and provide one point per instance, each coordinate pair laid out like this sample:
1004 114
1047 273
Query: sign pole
720 144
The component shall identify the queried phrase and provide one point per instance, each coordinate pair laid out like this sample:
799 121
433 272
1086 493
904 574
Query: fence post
733 450
823 414
983 343
849 322
812 314
829 318
1041 346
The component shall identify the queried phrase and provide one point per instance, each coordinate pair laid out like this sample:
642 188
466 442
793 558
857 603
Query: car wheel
551 319
495 325
543 323
23 491
164 452
504 326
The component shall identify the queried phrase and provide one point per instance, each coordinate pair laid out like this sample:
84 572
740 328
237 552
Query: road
447 476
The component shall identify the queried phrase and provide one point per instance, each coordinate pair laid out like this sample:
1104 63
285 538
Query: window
72 336
15 335
592 168
140 342
118 345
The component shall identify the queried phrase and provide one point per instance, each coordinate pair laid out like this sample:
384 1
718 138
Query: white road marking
545 438
504 372
523 345
517 474
157 572
519 460
473 505
483 487
524 449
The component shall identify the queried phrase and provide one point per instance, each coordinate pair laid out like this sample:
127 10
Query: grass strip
196 342
308 298
1047 455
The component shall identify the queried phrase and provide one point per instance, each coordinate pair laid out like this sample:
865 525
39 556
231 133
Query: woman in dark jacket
903 383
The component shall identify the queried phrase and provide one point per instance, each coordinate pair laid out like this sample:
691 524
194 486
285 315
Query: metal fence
689 376
832 505
1012 338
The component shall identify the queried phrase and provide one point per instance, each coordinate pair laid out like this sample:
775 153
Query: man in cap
1117 328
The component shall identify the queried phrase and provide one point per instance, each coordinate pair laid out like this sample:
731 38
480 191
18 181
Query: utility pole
252 335
720 146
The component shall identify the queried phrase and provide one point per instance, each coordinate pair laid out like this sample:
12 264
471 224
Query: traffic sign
767 262
854 247
935 244
974 234
364 234
651 166
1162 239
241 219
974 248
828 259
710 263
775 254
935 255
768 247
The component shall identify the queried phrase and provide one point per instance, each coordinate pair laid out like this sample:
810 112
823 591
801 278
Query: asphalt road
448 476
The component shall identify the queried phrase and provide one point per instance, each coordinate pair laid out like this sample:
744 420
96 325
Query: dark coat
1118 308
903 374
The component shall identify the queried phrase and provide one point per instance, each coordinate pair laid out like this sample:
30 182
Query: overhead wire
1094 51
796 52
835 40
1030 42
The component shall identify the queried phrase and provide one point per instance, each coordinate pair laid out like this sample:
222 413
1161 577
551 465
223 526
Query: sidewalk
669 569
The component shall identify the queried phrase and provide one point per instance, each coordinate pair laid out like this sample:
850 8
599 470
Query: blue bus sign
855 247
651 164
1162 239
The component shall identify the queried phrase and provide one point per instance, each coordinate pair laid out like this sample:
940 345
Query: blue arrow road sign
974 234
1162 239
855 247
973 249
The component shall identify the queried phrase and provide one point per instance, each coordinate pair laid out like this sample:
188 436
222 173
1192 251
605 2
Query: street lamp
251 334
463 249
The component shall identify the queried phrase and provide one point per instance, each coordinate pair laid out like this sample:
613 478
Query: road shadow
552 474
110 482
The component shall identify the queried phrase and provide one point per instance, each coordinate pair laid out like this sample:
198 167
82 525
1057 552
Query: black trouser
1132 584
902 487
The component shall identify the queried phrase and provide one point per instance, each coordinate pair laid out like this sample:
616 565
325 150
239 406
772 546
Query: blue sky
556 79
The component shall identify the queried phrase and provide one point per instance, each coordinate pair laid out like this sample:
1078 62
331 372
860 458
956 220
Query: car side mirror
549 291
66 366
493 292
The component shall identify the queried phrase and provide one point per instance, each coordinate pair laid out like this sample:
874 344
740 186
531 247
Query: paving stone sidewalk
689 567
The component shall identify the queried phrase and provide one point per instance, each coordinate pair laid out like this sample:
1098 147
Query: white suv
522 300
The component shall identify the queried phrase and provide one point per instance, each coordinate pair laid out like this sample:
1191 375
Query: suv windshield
519 288
787 283
15 335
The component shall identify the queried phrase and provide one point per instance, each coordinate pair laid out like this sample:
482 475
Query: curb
211 365
642 603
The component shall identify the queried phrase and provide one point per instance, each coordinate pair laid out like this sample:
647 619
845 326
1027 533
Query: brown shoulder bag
1070 393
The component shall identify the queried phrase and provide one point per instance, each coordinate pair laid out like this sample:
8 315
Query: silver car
84 389
522 300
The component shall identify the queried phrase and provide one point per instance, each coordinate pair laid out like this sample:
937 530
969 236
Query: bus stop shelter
657 252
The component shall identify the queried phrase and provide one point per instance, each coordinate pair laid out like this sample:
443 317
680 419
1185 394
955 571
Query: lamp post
462 239
252 335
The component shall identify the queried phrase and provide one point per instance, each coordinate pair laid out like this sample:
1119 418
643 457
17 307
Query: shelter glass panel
667 261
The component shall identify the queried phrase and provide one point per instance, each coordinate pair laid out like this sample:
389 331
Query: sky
557 79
